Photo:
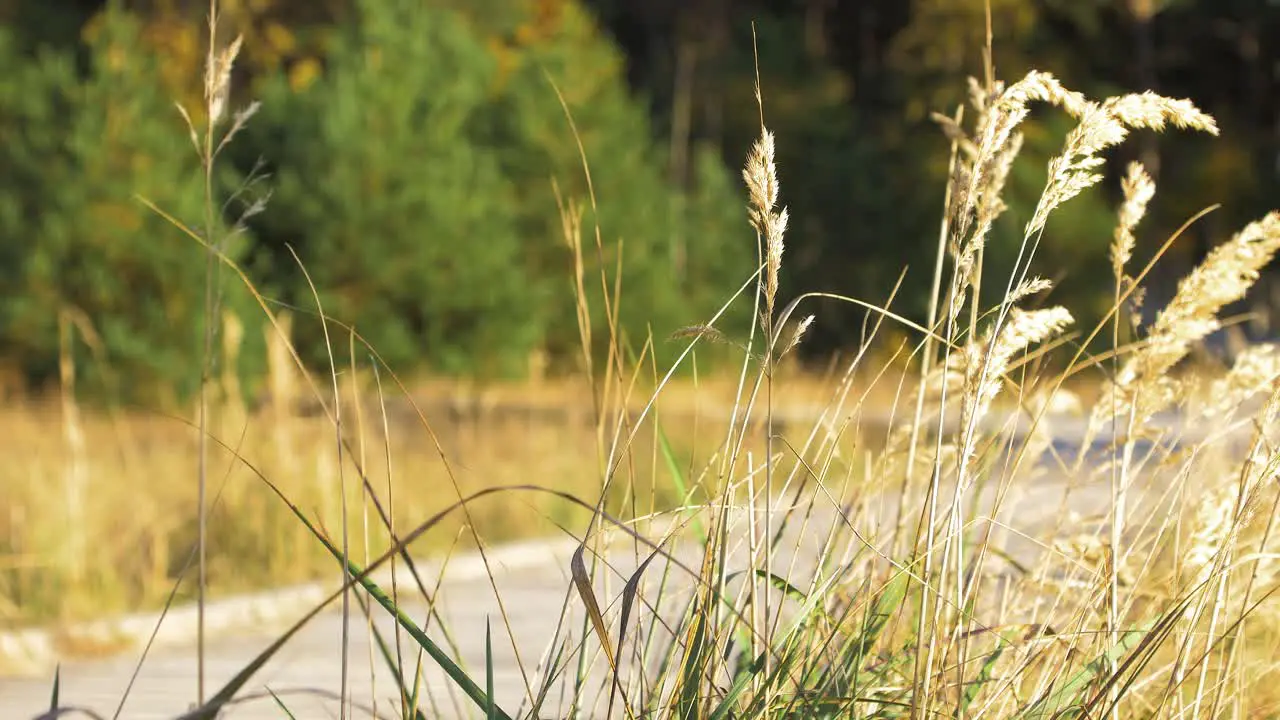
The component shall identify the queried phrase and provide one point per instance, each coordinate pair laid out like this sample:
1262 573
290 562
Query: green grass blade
1058 703
57 688
446 663
548 679
742 635
410 706
678 478
890 600
725 709
803 617
355 572
442 659
280 704
779 583
697 656
984 676
214 706
491 713
726 704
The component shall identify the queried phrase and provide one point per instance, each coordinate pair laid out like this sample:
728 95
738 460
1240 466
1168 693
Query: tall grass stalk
218 130
217 81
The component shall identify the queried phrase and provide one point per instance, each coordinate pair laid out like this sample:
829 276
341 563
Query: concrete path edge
38 650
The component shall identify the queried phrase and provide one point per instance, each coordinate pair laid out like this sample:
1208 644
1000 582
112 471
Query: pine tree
75 238
402 219
681 254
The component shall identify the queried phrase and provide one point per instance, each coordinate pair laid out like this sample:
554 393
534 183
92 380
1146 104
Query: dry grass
976 564
136 531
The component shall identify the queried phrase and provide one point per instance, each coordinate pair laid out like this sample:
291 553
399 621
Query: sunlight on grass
941 528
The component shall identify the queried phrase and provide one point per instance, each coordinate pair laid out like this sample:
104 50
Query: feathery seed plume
1255 370
977 196
761 178
1223 278
1228 507
217 79
801 328
1138 190
1028 287
1023 329
1103 125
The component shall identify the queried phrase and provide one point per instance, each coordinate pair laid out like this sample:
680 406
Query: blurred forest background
413 153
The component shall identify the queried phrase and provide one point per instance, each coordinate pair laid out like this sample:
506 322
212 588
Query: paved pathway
533 576
533 579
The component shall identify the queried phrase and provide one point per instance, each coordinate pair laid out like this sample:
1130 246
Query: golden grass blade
582 582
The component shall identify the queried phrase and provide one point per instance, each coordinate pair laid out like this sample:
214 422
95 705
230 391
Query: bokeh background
413 153
423 161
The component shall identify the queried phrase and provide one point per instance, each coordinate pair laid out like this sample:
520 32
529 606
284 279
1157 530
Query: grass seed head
1022 330
1223 278
761 177
217 79
1138 189
1255 370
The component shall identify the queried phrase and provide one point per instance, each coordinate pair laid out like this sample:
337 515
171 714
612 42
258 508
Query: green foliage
416 150
75 240
400 216
680 254
415 179
417 182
